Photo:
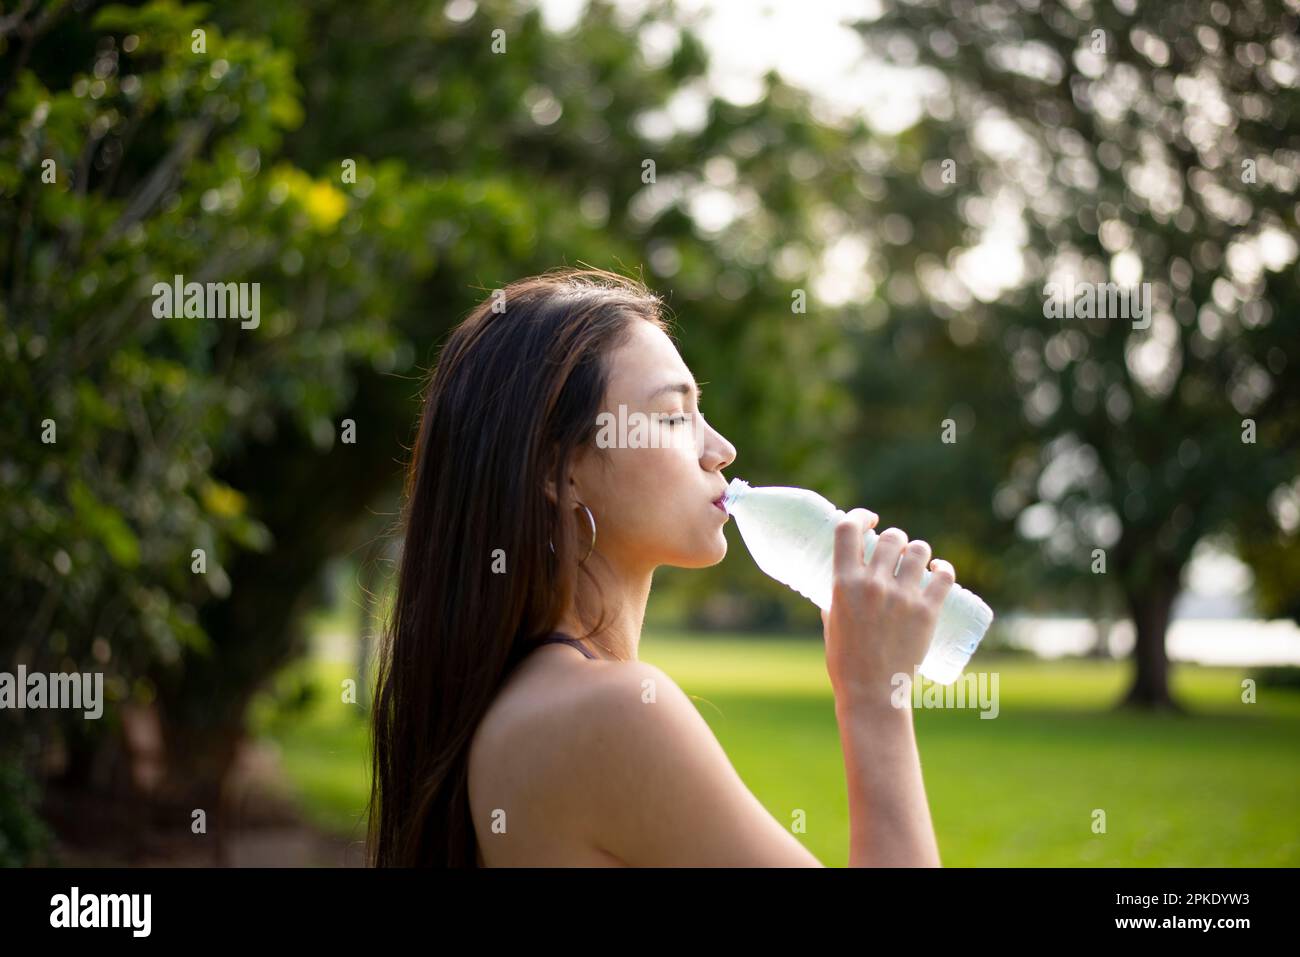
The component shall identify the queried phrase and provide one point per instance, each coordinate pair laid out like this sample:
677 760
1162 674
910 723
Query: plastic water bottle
791 534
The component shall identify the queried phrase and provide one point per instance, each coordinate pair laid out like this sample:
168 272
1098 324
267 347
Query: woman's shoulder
537 756
611 762
556 726
566 728
547 709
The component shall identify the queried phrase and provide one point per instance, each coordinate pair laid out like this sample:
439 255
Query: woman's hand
879 625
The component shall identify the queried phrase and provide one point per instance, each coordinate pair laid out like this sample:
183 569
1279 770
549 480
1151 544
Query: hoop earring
590 518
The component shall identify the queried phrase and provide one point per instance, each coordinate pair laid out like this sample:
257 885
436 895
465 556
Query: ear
548 488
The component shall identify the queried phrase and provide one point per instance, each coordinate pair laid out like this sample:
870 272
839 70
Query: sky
808 43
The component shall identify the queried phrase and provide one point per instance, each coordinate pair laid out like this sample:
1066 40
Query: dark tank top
560 637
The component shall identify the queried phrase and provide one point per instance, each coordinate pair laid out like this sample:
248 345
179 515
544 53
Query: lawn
1220 787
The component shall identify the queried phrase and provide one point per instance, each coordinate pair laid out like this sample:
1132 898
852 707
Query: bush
25 841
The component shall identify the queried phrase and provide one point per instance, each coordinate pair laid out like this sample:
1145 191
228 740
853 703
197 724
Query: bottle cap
734 490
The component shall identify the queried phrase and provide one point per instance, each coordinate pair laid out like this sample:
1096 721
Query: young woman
514 724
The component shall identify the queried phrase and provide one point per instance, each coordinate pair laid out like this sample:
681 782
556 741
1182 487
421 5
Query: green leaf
105 524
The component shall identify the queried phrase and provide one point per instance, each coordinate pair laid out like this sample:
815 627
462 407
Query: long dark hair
514 395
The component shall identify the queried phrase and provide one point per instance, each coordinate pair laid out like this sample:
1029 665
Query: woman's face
653 505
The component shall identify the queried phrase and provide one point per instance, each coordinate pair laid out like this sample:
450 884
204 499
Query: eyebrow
685 388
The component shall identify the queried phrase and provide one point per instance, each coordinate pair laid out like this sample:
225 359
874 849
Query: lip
718 503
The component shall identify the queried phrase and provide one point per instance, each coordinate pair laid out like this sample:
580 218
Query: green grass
1219 787
324 742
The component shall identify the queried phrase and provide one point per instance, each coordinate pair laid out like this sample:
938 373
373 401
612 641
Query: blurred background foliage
134 149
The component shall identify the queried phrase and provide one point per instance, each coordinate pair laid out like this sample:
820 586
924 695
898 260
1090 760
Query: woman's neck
622 597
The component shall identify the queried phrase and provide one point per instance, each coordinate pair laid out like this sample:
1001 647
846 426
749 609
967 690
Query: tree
375 181
1138 145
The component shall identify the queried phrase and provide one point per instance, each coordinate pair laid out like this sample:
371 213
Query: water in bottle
790 532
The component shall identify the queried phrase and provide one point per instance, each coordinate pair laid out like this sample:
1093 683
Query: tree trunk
1151 607
1101 647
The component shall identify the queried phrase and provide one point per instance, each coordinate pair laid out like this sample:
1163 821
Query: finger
848 541
941 581
915 557
884 560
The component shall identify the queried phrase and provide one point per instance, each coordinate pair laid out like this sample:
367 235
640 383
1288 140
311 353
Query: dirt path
263 827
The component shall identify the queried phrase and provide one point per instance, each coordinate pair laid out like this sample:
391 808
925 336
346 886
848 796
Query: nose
718 452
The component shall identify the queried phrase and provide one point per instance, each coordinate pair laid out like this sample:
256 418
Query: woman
514 724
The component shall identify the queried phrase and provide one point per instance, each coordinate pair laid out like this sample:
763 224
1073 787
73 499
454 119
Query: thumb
825 619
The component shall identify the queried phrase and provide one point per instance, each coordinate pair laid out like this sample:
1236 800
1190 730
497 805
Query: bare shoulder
638 708
662 789
521 759
553 721
614 760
